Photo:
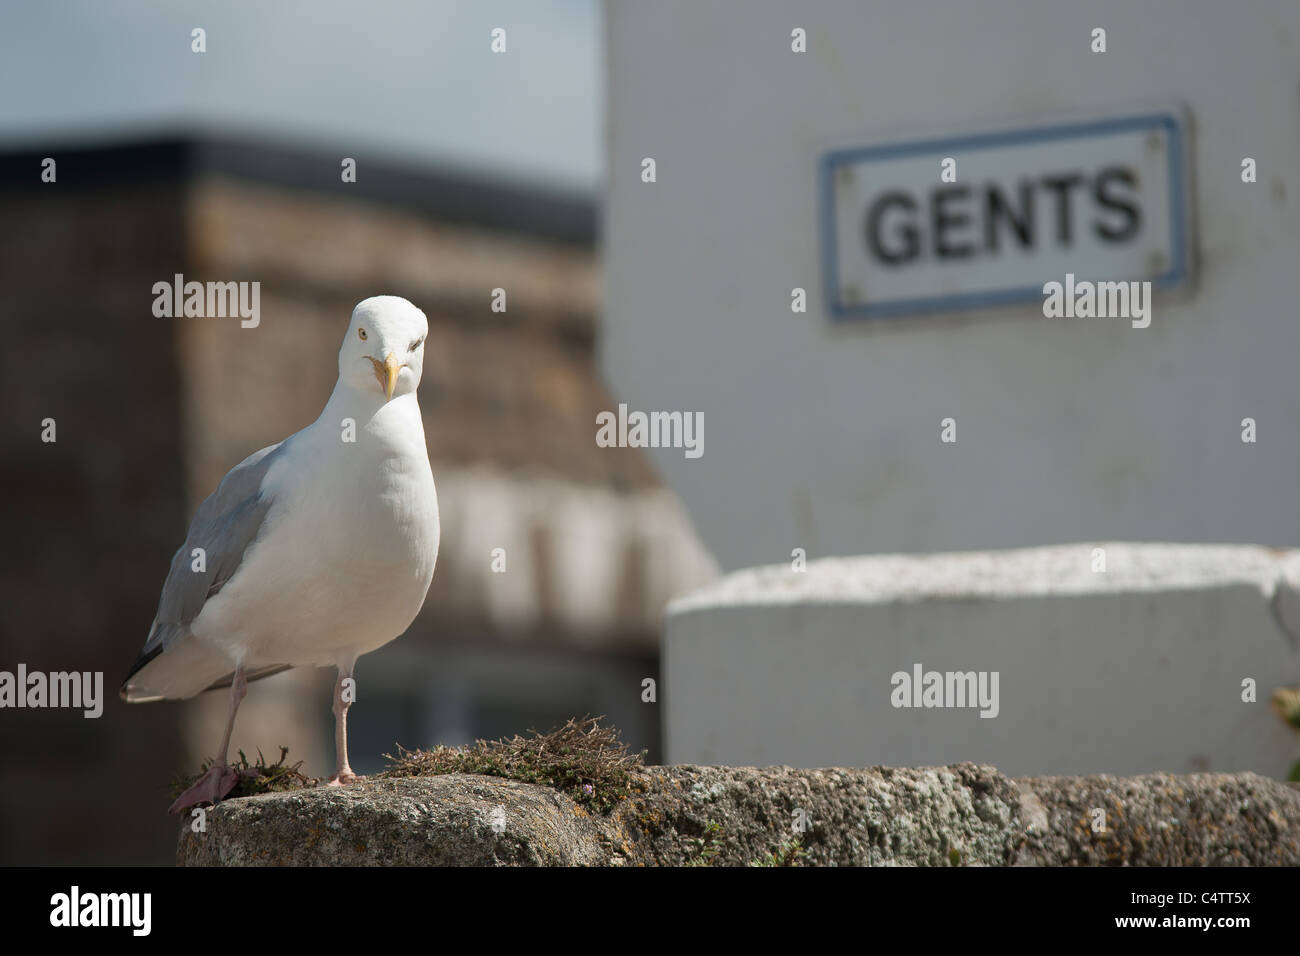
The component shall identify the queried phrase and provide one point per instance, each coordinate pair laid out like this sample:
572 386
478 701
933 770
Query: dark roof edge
445 194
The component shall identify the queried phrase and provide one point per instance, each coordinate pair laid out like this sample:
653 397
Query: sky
413 79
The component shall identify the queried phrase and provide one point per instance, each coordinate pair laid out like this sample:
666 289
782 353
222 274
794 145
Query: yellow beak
387 373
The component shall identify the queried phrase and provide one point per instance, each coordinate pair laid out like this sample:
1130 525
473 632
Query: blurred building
151 412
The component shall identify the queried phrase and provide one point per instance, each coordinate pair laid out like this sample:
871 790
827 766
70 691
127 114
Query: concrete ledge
960 815
1110 658
1022 572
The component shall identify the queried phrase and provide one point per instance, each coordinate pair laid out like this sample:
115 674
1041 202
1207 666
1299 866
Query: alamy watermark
78 909
946 689
82 690
1085 300
651 430
212 300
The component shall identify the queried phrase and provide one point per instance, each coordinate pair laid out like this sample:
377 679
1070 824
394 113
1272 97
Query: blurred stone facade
152 412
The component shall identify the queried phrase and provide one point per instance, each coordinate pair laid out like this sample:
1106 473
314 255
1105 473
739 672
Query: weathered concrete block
452 820
960 815
1134 669
1160 820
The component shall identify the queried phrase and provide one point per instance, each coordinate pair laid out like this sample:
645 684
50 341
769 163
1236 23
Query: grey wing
227 522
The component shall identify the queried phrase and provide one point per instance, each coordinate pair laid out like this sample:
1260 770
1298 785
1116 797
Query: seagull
312 551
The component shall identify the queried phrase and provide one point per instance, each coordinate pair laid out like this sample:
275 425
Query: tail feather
184 669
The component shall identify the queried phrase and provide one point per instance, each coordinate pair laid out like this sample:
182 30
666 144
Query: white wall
1133 670
826 436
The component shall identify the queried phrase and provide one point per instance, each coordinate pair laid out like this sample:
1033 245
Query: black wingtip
140 664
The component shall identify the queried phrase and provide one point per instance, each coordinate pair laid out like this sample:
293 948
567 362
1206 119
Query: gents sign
961 222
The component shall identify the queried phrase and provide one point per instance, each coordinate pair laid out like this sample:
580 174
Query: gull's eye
362 333
417 343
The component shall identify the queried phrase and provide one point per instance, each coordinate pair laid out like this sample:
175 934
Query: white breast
347 552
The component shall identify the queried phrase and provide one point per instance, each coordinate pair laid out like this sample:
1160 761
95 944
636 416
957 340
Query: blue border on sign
1176 275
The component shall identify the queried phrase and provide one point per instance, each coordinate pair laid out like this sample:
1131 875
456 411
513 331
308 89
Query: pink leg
219 779
343 775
